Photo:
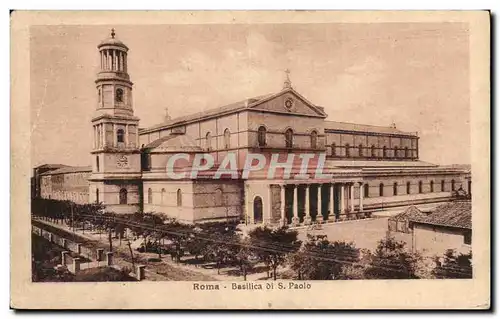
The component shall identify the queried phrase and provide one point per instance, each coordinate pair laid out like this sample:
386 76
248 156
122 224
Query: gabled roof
344 126
240 105
456 214
69 169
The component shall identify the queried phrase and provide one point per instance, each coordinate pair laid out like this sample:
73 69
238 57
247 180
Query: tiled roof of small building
344 126
174 143
455 214
410 213
69 169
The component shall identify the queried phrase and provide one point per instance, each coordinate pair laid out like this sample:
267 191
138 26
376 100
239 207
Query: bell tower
116 170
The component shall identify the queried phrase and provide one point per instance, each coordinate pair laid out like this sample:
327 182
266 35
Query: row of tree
223 244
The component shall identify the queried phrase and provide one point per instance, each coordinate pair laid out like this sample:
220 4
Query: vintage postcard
250 160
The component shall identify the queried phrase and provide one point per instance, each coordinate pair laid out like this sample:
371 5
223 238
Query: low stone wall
73 261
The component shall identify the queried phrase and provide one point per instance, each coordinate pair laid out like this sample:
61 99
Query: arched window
163 192
218 197
381 189
395 189
99 92
123 196
384 151
396 151
97 163
289 138
406 152
262 136
208 141
119 95
366 190
360 150
442 185
374 152
408 188
420 187
432 186
179 198
150 196
120 135
452 185
334 149
97 196
347 150
227 138
314 139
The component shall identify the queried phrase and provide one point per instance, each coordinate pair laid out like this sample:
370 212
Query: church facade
369 168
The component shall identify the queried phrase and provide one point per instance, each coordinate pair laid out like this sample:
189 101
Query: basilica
370 168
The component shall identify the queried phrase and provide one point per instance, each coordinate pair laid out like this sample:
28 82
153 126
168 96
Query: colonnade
113 60
346 203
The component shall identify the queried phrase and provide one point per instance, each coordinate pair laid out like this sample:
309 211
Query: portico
301 202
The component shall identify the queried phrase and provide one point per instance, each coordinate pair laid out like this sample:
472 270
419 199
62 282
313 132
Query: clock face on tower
122 161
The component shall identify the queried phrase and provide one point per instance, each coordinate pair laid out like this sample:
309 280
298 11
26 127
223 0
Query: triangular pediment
288 101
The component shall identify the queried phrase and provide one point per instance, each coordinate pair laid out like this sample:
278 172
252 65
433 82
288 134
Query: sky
413 74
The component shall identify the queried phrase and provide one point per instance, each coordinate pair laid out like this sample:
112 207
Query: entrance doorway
257 210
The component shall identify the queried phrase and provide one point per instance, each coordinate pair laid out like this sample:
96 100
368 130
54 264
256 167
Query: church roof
456 214
174 143
210 112
344 126
69 169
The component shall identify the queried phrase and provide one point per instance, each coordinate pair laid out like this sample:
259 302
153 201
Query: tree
320 259
179 234
454 265
221 243
273 245
391 260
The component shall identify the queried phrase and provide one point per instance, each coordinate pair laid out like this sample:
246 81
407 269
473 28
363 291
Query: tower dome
112 41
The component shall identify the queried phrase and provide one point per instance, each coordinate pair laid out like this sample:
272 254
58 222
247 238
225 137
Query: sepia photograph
247 156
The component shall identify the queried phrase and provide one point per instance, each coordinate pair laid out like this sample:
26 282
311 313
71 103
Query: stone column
115 142
319 216
295 218
63 257
100 253
245 205
108 59
307 217
109 258
284 220
125 62
140 273
342 202
361 195
103 135
267 207
76 265
332 202
126 135
351 199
